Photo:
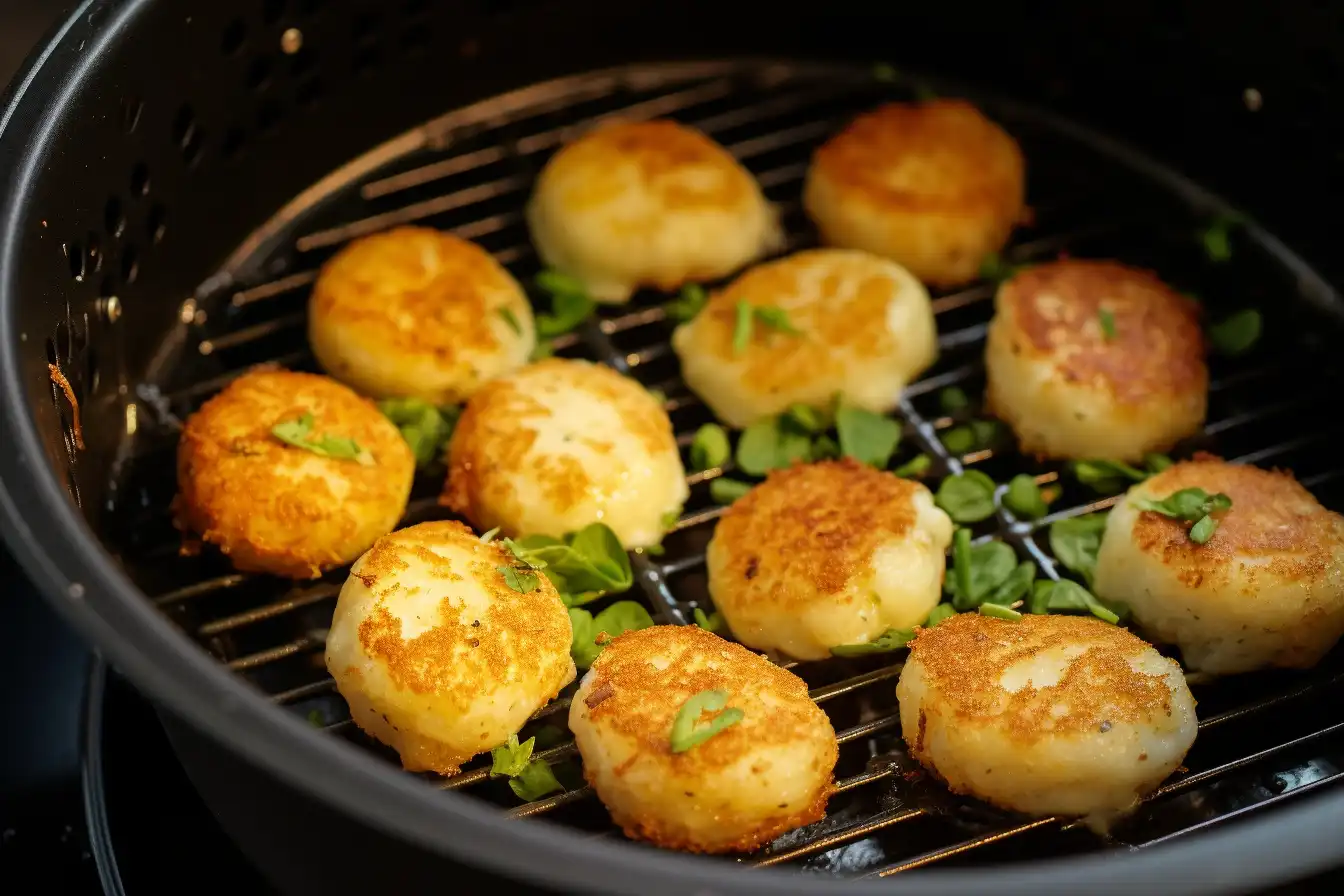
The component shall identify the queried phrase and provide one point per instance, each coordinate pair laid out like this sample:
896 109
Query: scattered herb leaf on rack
914 467
1236 334
711 623
570 304
867 437
426 428
710 447
617 619
1023 497
299 433
725 491
583 566
968 497
1075 542
688 303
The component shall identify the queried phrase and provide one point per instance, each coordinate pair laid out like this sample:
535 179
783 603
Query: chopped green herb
1188 504
584 565
425 427
1024 498
511 320
953 399
521 580
978 571
669 520
867 437
1076 541
747 315
1236 334
653 550
510 758
999 612
776 319
542 350
1156 463
617 619
688 303
766 445
806 418
995 268
885 73
824 448
1217 237
1203 530
890 640
711 623
959 440
299 433
557 283
1015 587
726 491
967 498
570 304
315 718
535 781
923 92
939 613
1066 596
742 327
710 448
1106 475
688 731
915 466
1107 321
489 535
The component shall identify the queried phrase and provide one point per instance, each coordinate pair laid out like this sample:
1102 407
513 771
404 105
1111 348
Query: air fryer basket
135 259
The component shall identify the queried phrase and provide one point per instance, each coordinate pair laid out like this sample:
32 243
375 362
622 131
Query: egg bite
561 444
933 185
280 508
437 656
734 792
1048 715
1089 359
648 203
415 312
857 325
827 554
1266 590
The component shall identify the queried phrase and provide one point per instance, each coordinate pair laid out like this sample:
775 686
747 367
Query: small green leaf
867 437
726 491
1156 463
315 718
967 498
1107 321
1236 334
747 315
511 320
1106 475
521 580
617 619
953 399
1217 237
1203 530
711 623
570 304
996 268
557 283
1000 612
978 570
426 428
776 319
892 639
489 535
584 565
542 350
765 446
1188 504
742 324
1076 541
1015 587
915 466
509 759
535 781
669 520
959 440
299 433
687 729
710 447
939 613
825 448
1066 596
806 418
1024 498
688 303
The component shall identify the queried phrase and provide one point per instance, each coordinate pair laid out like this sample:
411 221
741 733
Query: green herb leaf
915 466
557 283
512 757
1203 530
967 498
1217 237
867 437
824 448
742 324
1236 334
890 640
726 491
997 269
521 580
1066 596
747 315
710 448
617 619
1188 504
959 440
511 320
315 718
1156 463
687 729
542 350
669 520
1075 542
535 781
1107 475
570 304
1024 498
584 565
489 535
977 570
766 445
1107 321
711 623
776 319
1015 587
806 418
953 399
425 427
939 613
299 433
885 73
688 303
999 612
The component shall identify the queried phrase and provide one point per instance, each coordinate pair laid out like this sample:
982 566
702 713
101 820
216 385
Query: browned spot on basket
59 379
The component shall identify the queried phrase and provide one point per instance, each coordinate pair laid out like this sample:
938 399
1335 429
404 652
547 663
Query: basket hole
184 125
414 8
414 38
365 59
268 115
233 142
311 7
364 27
234 35
300 63
157 223
108 287
74 253
131 108
259 73
93 253
272 10
140 179
191 151
130 265
309 91
114 219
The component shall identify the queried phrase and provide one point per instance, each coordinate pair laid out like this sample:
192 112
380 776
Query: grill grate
1262 740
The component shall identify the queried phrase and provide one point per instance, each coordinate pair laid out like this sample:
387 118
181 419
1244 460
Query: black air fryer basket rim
65 560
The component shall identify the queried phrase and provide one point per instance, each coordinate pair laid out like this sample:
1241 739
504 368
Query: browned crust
818 523
964 658
1054 311
1273 520
279 509
59 379
940 156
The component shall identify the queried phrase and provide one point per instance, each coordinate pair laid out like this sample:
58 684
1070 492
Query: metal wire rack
1262 740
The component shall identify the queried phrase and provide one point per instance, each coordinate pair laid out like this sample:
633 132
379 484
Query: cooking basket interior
1263 738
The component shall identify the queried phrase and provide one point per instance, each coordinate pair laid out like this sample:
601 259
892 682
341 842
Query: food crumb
59 379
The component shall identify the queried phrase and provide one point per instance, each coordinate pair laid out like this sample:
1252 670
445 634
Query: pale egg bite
934 185
276 507
827 554
1088 359
648 203
437 656
1266 589
854 325
767 773
1047 715
561 444
416 312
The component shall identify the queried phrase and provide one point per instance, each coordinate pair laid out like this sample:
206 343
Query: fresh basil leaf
712 623
617 619
710 447
726 491
806 418
1236 334
999 612
967 498
914 467
688 303
953 399
511 319
765 446
1015 587
890 640
568 311
939 613
557 283
1203 530
521 580
1066 596
824 448
959 440
512 757
299 433
1107 321
602 551
867 437
687 729
584 565
535 781
1188 504
1076 541
1024 498
425 428
1107 475
978 570
1038 602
